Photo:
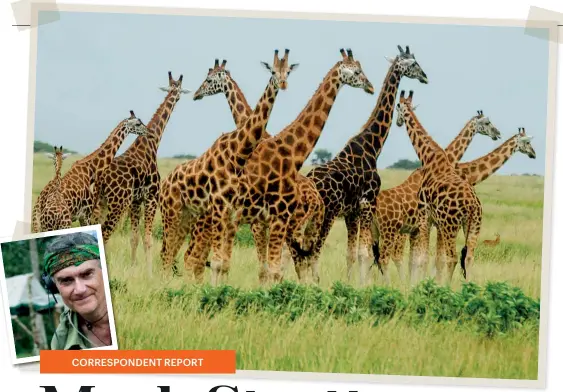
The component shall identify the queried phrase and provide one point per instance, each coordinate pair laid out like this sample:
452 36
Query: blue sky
92 68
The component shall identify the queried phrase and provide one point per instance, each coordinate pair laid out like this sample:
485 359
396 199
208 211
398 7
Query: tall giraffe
199 193
77 183
268 193
56 212
220 81
444 199
351 179
478 170
133 178
392 203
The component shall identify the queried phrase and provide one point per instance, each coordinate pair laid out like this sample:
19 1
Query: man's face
82 287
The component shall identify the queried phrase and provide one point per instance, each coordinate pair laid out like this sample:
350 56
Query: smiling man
73 263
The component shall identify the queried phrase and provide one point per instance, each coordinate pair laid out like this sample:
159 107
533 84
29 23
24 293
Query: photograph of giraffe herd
216 219
248 176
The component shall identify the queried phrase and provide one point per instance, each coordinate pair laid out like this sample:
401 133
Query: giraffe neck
426 148
482 168
156 126
58 166
374 132
250 133
306 129
240 109
106 145
459 145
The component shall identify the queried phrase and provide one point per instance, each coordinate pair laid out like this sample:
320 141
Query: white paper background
14 99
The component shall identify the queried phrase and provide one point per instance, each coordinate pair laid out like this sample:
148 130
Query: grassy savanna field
166 312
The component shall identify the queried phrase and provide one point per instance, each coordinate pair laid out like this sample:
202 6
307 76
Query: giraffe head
280 69
404 105
175 86
351 73
407 65
58 157
134 125
216 81
524 145
484 126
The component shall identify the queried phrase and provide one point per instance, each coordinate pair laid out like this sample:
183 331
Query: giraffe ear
66 155
266 66
293 67
165 89
49 155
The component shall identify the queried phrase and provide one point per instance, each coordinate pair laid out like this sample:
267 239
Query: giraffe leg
151 204
471 237
231 227
35 226
134 216
398 252
116 210
260 234
365 255
449 239
352 227
295 224
220 261
175 228
314 259
277 233
385 245
419 248
191 245
440 255
199 246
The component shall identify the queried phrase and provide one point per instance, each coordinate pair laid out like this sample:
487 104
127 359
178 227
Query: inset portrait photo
55 291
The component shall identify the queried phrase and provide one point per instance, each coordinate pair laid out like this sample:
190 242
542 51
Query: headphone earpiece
49 284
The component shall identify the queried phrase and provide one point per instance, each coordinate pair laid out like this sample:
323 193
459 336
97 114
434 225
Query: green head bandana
58 259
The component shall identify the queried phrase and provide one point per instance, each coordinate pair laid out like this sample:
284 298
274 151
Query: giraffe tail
296 246
471 231
376 255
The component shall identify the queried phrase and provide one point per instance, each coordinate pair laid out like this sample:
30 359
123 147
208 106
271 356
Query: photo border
551 26
98 229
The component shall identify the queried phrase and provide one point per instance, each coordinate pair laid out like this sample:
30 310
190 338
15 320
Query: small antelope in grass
494 242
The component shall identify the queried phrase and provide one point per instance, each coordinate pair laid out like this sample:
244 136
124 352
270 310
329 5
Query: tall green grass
488 328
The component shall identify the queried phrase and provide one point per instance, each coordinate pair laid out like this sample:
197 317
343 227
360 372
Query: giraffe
269 193
77 185
133 179
391 203
482 168
351 179
390 216
56 212
444 199
220 81
198 194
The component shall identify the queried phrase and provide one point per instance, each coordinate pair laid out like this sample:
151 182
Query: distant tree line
184 156
39 146
405 164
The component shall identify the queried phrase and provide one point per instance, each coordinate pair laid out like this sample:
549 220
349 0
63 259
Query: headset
49 284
